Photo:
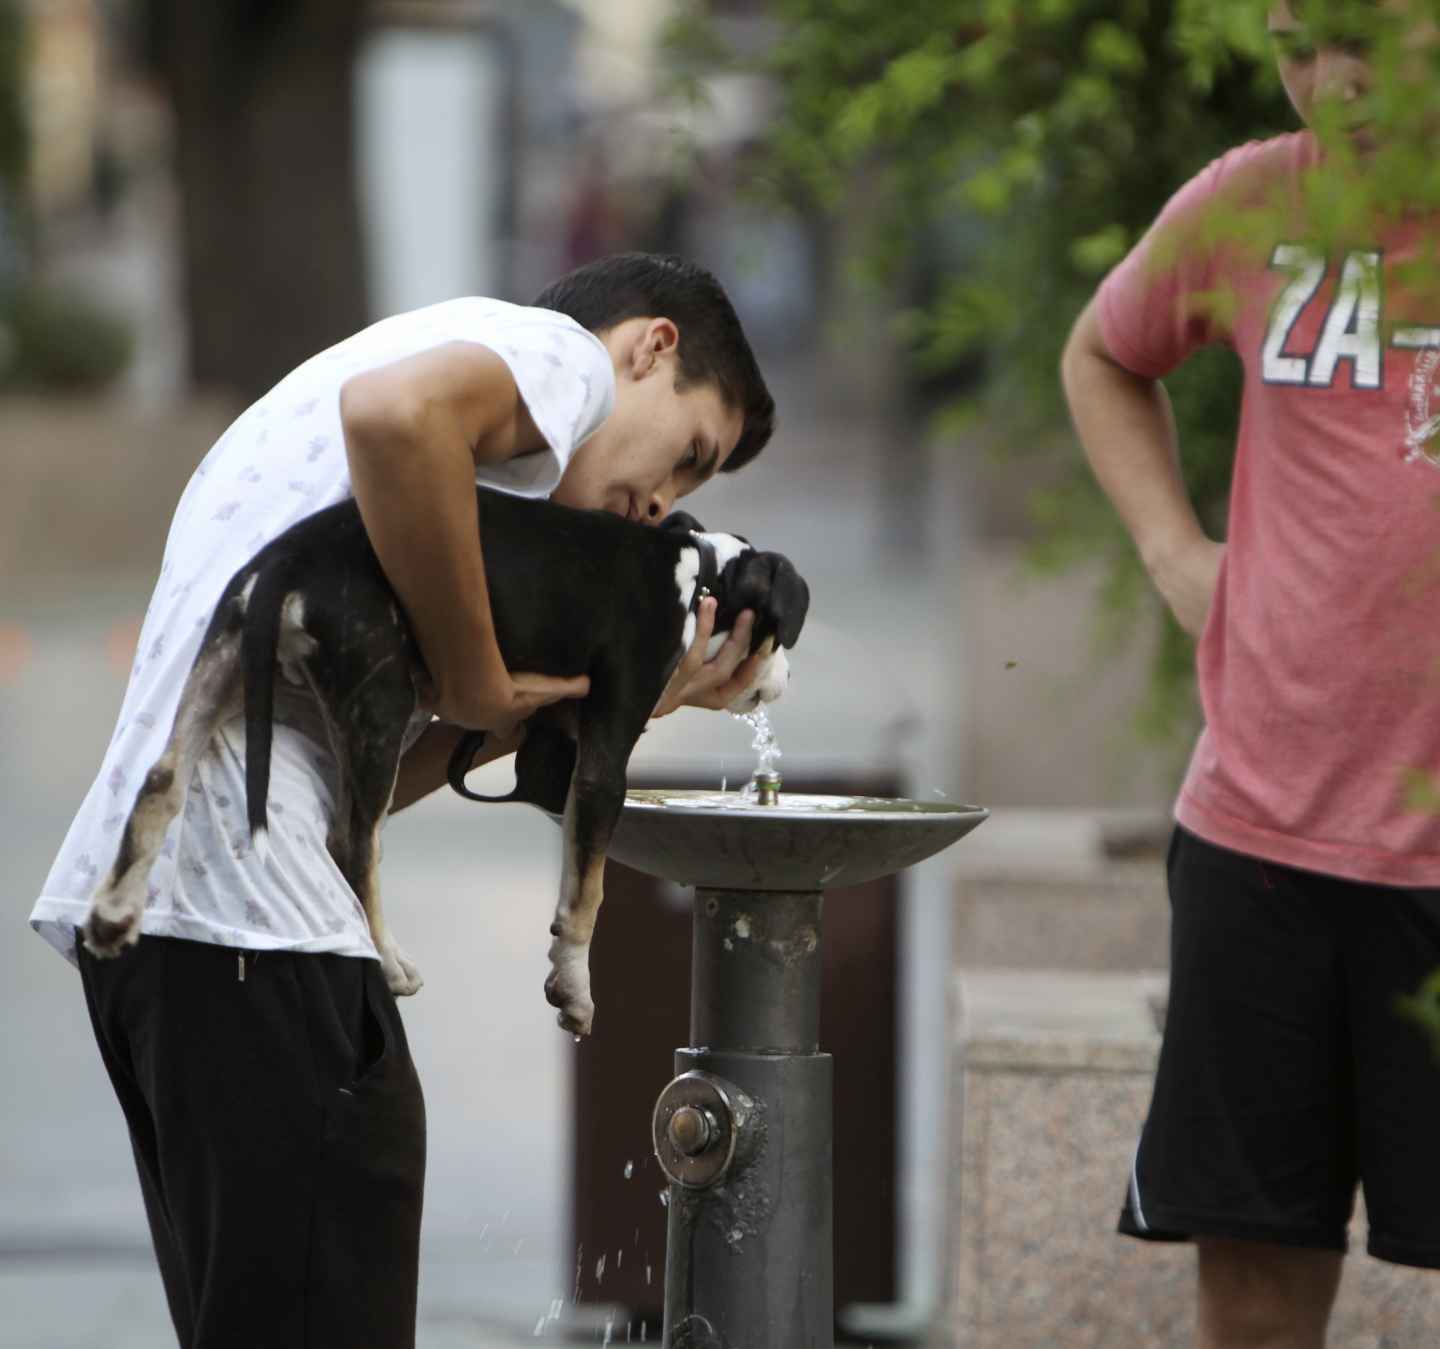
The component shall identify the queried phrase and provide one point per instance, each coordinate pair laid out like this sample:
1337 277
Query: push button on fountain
692 1130
695 1126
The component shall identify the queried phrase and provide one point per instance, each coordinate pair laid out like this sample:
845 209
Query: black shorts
1288 1073
279 1132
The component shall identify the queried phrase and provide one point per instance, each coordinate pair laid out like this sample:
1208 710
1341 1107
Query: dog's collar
708 577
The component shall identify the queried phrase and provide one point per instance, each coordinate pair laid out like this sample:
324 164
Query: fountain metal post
744 1131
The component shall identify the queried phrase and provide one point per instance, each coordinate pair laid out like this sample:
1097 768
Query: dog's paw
577 1023
111 926
577 1015
402 976
568 988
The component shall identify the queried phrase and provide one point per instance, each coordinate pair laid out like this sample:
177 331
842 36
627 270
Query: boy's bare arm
415 432
425 766
1125 423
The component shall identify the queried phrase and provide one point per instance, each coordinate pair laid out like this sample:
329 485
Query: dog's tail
259 638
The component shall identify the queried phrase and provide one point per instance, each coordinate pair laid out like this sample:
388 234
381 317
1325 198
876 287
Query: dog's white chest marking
687 571
726 548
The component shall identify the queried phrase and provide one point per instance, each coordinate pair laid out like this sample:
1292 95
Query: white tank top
280 461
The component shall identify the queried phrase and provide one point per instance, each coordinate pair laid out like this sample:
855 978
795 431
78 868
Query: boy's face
658 444
1338 68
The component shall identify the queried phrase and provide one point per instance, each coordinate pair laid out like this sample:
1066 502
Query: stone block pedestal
1052 1078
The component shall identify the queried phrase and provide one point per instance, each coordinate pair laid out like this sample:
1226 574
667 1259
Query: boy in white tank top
276 1118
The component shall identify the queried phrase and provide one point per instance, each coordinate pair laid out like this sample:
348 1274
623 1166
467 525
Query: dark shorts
1287 1073
279 1133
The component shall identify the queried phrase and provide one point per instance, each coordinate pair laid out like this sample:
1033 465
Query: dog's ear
770 585
685 523
790 600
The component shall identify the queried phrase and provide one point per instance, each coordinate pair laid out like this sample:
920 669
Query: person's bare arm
415 431
425 766
1126 426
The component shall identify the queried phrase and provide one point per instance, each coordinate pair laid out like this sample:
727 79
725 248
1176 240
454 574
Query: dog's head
741 577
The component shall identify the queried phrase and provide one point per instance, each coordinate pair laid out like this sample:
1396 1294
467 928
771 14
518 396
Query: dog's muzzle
771 681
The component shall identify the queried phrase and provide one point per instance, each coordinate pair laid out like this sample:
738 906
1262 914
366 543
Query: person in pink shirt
1304 870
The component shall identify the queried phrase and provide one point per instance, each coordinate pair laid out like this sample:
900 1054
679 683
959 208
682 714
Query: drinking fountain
744 1130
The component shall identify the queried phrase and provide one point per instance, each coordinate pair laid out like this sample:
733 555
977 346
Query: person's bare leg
1254 1295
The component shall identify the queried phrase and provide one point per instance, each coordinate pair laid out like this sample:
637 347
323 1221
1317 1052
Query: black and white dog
571 592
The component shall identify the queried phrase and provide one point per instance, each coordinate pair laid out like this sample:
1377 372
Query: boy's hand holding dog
500 701
717 682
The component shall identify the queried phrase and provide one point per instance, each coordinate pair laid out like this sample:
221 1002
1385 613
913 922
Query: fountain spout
767 788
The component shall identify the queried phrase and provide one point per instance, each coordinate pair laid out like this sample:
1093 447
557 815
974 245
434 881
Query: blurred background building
194 198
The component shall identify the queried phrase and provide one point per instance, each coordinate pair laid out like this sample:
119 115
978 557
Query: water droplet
600 1270
629 1170
578 1038
664 1198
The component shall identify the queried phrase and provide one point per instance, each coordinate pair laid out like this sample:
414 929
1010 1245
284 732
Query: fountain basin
723 840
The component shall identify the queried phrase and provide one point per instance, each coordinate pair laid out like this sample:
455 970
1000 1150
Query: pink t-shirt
1319 665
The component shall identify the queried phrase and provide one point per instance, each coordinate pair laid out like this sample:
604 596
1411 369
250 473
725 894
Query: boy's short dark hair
713 345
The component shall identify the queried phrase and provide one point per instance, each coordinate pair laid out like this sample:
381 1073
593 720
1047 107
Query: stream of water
767 750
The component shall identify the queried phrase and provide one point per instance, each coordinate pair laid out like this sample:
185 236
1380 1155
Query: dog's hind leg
597 794
401 973
209 695
373 726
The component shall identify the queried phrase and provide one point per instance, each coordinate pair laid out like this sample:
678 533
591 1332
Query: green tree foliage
1423 1009
1036 140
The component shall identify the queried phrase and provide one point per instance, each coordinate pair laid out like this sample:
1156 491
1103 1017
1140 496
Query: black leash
461 758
